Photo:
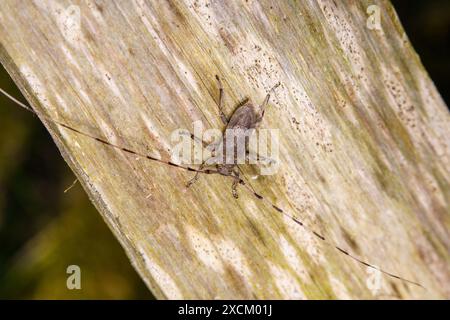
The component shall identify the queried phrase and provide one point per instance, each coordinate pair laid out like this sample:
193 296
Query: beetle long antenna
323 239
17 101
124 149
266 100
208 171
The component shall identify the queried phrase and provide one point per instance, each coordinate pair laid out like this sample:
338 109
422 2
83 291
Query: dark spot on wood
228 40
180 19
235 279
99 7
256 232
395 289
88 35
321 178
350 241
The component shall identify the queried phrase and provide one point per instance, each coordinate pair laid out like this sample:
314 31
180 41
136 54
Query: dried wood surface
364 140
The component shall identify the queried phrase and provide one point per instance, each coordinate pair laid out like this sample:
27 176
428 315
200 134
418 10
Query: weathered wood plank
364 146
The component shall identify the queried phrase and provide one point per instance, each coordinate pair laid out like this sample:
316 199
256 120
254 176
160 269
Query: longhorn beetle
224 170
246 117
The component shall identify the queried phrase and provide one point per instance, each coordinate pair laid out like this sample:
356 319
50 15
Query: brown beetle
225 157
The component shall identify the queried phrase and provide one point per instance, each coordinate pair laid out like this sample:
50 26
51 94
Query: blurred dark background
427 24
43 230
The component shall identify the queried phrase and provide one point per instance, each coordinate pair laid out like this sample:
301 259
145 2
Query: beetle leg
235 184
266 100
223 117
195 178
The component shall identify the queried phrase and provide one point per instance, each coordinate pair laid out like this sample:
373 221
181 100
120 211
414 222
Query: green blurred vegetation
43 230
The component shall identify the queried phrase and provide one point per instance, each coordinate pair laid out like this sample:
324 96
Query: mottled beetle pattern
246 117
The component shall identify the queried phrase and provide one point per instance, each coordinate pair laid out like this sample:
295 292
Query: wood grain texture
364 146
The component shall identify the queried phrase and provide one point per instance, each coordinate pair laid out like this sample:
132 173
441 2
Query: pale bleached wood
364 145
